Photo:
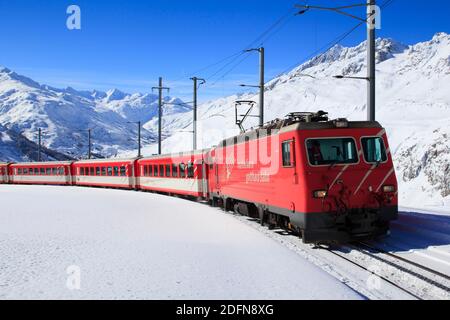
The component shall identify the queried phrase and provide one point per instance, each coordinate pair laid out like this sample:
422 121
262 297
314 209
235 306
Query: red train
327 180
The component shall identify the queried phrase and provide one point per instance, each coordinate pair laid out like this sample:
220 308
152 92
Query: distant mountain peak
440 36
4 70
115 94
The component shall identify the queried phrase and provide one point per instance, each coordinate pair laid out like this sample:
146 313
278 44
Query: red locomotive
327 180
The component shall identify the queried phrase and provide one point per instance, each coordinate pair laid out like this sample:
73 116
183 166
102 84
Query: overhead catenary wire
232 59
324 49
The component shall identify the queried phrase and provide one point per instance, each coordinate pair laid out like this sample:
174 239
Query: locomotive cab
350 187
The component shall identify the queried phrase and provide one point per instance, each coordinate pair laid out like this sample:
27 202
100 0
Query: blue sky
129 44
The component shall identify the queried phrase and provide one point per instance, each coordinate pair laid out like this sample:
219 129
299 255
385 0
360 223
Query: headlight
320 194
388 189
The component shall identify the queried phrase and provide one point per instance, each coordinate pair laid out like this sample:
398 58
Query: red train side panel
183 173
111 173
56 173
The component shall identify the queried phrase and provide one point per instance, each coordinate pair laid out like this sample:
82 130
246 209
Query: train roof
45 163
106 160
300 121
177 154
330 125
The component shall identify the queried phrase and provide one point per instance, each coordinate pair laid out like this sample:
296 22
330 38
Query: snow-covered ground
133 245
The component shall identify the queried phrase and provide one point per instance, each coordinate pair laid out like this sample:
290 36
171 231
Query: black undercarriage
356 224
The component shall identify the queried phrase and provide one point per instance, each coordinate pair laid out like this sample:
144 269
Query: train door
216 177
204 179
132 170
288 159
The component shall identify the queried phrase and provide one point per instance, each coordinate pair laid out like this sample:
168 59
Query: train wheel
236 208
262 215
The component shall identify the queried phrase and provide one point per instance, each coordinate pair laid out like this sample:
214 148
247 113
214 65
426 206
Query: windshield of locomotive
331 151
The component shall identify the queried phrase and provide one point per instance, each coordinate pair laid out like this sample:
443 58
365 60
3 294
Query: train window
30 171
92 171
36 171
174 170
374 150
103 171
286 153
48 171
116 171
97 171
190 170
167 170
110 171
20 171
331 151
182 170
155 170
25 170
41 171
150 170
86 171
81 171
145 170
161 170
54 171
123 171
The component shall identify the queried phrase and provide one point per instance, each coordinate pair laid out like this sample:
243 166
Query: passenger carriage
181 173
55 173
112 173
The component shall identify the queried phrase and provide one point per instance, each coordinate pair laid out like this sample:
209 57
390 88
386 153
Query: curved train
328 180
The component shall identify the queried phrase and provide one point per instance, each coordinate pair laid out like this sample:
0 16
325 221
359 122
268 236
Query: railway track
378 278
416 279
373 272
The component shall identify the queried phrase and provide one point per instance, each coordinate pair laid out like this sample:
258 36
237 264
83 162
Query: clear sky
128 44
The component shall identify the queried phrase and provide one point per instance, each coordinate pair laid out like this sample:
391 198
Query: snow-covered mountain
413 103
65 115
15 146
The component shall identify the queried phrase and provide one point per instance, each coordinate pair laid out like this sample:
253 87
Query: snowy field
117 244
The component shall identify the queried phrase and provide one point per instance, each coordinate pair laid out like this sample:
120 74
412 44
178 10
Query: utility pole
139 139
160 90
261 85
139 123
89 144
371 24
39 145
194 124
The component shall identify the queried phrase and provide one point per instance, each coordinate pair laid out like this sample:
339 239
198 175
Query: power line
329 45
263 37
